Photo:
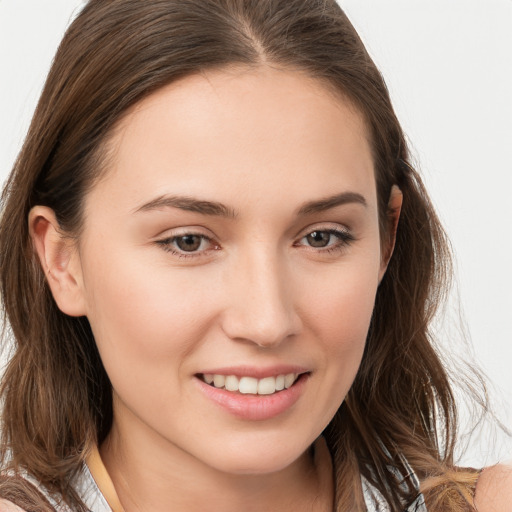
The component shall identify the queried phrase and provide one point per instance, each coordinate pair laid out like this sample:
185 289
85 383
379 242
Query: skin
494 489
263 142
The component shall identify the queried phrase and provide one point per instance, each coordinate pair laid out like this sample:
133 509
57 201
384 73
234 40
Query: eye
319 238
188 244
329 239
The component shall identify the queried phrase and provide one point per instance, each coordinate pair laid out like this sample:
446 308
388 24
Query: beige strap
103 480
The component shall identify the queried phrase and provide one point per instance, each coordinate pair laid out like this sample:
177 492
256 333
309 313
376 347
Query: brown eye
327 240
319 238
188 243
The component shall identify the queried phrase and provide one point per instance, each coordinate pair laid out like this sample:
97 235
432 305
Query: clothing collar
102 479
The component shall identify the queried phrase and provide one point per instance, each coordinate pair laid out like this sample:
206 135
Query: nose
260 305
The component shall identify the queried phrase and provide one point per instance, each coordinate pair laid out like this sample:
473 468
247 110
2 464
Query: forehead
234 132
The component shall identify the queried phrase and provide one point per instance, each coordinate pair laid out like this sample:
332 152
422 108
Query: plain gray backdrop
448 68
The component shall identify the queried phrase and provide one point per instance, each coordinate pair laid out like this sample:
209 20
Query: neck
150 473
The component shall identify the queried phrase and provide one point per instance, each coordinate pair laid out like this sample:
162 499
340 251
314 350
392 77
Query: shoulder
8 506
494 489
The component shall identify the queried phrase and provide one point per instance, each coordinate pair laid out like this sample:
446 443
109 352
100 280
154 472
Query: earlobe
393 216
59 260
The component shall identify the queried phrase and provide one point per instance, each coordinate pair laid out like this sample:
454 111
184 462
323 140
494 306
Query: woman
219 268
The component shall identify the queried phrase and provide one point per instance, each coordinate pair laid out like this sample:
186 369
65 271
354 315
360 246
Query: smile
251 385
251 398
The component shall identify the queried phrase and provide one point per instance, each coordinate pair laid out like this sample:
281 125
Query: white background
448 66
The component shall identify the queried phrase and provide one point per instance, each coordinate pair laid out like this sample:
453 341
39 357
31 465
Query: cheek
338 312
340 304
343 324
142 316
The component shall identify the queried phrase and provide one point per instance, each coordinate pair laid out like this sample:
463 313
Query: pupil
318 238
189 242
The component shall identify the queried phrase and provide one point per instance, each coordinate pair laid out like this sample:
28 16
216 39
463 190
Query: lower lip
255 407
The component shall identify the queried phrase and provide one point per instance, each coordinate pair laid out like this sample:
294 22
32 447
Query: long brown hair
56 395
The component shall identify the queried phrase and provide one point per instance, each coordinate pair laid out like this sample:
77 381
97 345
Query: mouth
254 394
247 385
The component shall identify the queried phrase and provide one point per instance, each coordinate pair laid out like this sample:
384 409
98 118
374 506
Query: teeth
231 383
248 385
219 381
251 385
289 380
267 386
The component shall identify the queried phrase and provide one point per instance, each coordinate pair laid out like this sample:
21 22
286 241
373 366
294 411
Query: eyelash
345 238
167 246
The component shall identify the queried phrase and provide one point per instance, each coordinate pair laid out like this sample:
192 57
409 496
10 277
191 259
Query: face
233 239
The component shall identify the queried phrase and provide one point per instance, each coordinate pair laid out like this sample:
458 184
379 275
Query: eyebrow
189 204
331 202
215 208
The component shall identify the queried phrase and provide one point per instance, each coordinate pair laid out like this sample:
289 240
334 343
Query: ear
393 215
59 260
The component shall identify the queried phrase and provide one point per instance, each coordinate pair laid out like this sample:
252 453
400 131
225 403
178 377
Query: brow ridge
190 204
215 208
327 203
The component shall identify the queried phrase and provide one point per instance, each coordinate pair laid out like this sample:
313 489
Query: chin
261 465
271 457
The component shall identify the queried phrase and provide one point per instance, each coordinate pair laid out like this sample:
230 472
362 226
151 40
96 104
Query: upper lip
258 372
